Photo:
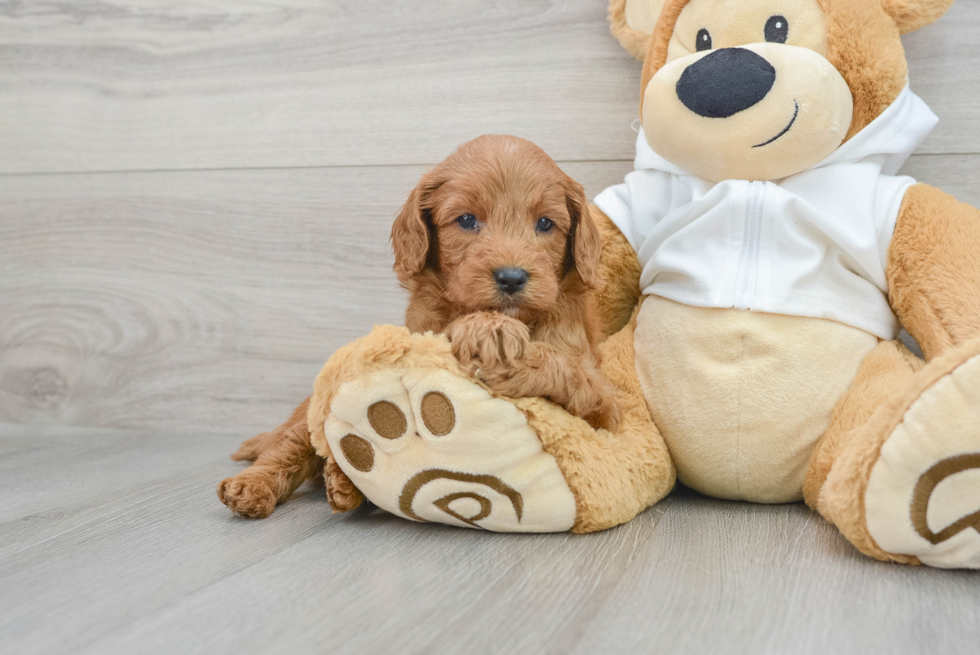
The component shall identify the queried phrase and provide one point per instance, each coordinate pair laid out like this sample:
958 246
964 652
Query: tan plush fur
633 41
841 499
865 46
911 15
889 367
615 300
540 341
934 269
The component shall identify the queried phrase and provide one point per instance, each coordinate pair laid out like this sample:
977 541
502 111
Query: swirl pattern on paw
431 446
923 495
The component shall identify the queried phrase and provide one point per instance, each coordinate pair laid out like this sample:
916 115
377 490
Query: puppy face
747 91
501 228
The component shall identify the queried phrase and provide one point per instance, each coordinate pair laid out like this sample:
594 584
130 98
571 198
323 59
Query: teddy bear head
764 89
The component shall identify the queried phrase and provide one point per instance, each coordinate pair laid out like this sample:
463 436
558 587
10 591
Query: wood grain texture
118 85
157 565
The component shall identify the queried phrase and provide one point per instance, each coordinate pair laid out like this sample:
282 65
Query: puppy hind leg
250 449
277 472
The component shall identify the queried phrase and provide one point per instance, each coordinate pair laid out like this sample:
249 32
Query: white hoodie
813 244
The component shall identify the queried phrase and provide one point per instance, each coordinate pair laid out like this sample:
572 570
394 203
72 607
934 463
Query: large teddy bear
759 264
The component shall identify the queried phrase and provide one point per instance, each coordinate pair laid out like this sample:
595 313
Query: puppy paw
247 495
488 341
429 445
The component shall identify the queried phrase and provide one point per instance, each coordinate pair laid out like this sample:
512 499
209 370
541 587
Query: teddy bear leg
898 472
614 475
422 440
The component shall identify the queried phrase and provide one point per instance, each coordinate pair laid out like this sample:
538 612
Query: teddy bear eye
704 40
777 29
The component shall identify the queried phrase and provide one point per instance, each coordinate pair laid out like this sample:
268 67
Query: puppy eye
777 29
704 40
467 222
544 224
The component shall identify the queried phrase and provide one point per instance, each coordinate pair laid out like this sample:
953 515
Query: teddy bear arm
617 296
933 270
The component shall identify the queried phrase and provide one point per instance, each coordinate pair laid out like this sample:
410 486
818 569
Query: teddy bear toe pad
431 446
923 496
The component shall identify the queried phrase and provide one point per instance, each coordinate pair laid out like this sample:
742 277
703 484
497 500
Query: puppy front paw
247 495
488 341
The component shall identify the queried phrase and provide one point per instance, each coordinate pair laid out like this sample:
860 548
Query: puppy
497 250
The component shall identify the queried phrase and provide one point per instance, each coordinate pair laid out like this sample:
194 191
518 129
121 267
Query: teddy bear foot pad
428 445
923 496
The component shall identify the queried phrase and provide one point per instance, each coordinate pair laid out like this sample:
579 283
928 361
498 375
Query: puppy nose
510 280
725 82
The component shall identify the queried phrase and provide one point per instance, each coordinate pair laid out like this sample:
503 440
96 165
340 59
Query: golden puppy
498 251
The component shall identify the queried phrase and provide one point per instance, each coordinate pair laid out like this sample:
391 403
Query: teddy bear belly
742 397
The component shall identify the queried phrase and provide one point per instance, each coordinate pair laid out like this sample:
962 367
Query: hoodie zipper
748 268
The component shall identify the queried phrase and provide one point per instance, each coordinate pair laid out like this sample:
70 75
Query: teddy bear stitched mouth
796 114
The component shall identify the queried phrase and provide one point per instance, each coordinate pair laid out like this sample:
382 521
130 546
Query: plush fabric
889 367
942 398
616 299
934 269
910 15
632 23
742 397
521 465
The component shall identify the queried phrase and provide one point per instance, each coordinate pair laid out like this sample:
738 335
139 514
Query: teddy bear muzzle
762 111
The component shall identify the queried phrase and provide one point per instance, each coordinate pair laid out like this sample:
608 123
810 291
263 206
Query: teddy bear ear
910 15
633 22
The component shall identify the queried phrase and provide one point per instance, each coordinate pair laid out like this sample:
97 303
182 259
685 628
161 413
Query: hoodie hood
889 140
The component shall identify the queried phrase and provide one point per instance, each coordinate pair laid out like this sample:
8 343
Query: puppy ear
410 234
911 15
632 23
584 247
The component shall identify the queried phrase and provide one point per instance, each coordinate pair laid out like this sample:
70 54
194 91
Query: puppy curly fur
540 341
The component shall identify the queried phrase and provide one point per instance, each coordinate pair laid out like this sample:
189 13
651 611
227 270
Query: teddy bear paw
923 496
432 446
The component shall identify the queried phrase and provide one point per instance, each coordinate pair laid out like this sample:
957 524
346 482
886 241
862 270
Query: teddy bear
759 263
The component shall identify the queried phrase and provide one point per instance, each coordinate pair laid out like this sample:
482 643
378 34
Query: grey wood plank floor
120 546
195 199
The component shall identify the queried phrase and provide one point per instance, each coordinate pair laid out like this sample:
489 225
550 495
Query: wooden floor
194 206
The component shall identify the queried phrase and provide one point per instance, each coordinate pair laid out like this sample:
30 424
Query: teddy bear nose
510 280
725 82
